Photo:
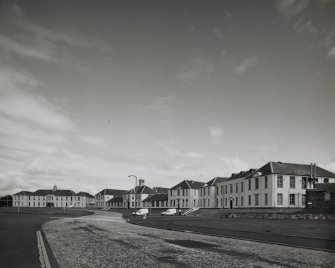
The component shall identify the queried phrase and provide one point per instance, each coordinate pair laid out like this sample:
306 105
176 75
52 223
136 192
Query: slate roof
216 180
188 184
142 190
111 192
161 190
23 193
241 174
116 199
43 192
156 197
6 198
324 187
292 169
84 194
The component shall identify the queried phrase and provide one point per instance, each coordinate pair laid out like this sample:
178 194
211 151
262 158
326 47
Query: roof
84 194
6 197
111 192
142 190
23 193
117 199
156 197
216 180
161 190
293 169
43 192
324 187
188 184
241 174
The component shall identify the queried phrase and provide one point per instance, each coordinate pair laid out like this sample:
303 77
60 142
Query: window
292 182
225 189
242 186
231 188
303 199
236 187
221 202
178 192
183 192
249 185
241 201
303 183
256 183
225 202
279 199
221 189
249 200
266 182
292 199
280 181
256 199
326 180
265 199
236 201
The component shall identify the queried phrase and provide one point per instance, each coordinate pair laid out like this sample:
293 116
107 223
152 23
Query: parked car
141 212
169 212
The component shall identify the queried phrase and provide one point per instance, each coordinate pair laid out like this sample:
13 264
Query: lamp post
130 176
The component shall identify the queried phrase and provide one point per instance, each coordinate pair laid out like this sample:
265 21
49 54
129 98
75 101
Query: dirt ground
106 240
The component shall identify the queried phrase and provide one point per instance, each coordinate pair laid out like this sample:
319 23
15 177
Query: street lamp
130 176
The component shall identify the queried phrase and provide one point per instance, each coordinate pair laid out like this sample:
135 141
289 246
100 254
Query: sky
94 91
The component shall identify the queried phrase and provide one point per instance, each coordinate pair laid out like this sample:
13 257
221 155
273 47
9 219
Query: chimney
55 188
311 170
140 182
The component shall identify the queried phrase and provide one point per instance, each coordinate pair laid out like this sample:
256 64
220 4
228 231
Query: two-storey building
106 194
208 194
185 194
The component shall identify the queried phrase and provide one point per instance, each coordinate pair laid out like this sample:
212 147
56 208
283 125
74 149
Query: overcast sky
92 91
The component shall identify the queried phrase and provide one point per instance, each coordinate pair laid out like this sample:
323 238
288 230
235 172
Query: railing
190 210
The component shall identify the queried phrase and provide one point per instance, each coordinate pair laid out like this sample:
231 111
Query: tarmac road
18 239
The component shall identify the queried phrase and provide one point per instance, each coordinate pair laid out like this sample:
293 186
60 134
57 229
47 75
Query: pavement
106 240
18 236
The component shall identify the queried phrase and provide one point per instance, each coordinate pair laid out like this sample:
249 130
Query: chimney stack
55 188
141 182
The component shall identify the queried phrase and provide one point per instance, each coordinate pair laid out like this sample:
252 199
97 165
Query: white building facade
185 194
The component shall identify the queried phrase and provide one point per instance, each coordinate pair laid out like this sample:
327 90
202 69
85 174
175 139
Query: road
18 239
314 234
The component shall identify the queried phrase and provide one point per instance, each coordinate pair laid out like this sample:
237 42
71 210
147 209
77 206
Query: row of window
256 200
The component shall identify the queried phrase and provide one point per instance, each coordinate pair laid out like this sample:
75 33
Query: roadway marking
45 263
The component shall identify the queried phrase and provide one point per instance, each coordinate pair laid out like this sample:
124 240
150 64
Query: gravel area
106 240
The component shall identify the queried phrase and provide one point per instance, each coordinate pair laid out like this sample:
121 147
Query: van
169 212
141 212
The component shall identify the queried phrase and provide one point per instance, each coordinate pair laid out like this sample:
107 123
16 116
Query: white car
169 212
141 212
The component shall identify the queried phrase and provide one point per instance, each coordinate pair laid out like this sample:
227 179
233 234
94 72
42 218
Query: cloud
195 155
290 8
216 134
305 26
92 140
217 32
247 63
162 105
196 70
61 46
18 103
331 53
233 164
